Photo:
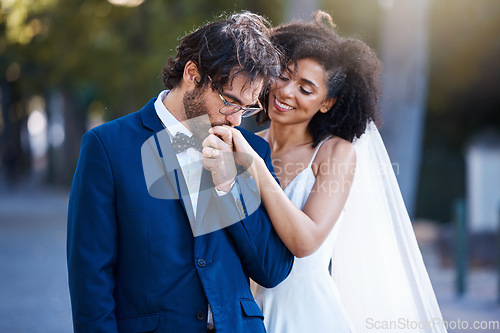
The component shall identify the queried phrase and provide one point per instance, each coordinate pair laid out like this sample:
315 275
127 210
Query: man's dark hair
352 75
240 42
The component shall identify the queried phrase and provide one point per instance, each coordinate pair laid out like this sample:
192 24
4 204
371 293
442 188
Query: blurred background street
34 295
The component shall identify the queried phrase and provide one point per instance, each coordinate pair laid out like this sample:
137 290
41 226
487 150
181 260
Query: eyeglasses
230 108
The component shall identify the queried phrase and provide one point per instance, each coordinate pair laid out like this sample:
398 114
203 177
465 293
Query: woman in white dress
324 100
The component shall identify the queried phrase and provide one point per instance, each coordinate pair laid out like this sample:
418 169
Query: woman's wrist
254 165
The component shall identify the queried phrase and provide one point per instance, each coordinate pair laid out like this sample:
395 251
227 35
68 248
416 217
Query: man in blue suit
156 242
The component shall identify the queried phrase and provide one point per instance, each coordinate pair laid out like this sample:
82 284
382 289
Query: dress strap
266 136
317 149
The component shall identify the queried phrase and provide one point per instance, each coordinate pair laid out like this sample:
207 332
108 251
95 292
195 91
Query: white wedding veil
376 262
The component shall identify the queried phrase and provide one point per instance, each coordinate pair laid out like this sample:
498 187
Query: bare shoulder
263 133
337 150
336 147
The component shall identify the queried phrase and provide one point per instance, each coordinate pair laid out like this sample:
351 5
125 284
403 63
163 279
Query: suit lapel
170 163
174 173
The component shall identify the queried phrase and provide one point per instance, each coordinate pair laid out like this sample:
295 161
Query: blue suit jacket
134 264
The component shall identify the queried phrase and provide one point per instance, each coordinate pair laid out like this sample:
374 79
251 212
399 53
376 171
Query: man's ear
327 104
191 76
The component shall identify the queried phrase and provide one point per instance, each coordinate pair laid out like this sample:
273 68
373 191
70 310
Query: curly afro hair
353 75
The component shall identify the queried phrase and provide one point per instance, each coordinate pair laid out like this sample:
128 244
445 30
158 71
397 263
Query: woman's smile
280 106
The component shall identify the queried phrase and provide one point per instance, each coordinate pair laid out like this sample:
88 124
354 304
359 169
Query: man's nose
235 118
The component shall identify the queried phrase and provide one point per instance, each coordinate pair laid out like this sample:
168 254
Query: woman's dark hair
241 43
352 70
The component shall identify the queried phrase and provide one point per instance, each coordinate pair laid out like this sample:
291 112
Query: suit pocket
250 308
139 324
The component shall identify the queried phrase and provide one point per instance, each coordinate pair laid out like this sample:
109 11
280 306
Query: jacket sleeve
263 255
92 239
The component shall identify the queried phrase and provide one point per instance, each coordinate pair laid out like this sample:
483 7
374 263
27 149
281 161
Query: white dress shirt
189 160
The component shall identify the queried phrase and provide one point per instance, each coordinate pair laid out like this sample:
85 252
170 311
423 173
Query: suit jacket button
201 262
200 315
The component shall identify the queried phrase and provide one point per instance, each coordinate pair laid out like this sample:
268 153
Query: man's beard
196 111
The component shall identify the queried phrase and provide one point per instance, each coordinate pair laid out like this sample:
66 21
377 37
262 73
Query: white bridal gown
378 270
308 300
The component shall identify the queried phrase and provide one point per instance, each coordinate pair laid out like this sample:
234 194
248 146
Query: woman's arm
304 231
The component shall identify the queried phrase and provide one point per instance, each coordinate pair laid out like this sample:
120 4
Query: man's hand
218 157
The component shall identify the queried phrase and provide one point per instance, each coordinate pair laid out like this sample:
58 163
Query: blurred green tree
102 59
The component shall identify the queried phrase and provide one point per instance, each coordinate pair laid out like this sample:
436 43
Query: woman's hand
244 154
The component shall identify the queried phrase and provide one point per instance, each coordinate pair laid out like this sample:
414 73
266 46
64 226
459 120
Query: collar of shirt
174 126
171 123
